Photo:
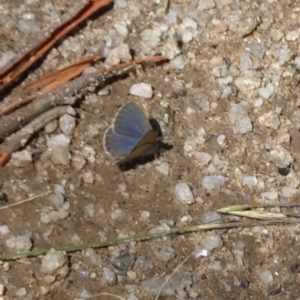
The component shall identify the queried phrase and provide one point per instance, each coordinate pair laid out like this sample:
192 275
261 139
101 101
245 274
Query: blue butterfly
130 136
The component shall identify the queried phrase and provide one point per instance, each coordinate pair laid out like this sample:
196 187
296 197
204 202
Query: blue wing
130 121
118 145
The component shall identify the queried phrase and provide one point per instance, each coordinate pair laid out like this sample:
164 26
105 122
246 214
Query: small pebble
165 254
213 182
60 155
51 126
19 243
67 124
4 230
90 209
88 177
52 261
142 89
212 241
21 292
21 158
163 168
266 276
183 193
58 140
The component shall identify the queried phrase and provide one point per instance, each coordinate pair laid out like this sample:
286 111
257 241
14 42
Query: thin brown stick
20 66
66 95
20 138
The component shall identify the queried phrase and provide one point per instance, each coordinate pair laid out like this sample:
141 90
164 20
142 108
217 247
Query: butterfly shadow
162 148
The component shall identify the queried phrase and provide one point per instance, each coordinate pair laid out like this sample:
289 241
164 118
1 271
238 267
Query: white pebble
88 177
212 241
145 215
20 243
67 124
51 126
270 195
21 158
177 63
163 168
267 91
117 214
183 193
288 192
60 155
221 139
142 89
4 230
90 209
58 140
270 119
249 180
213 181
203 158
52 261
266 276
21 292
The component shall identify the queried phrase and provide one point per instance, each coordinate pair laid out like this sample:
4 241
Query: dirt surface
248 263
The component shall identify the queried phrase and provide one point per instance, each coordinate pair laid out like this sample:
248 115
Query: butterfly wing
128 136
130 121
117 145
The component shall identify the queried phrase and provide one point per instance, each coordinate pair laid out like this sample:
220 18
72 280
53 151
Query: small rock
49 215
266 276
165 254
78 160
117 214
123 263
239 118
4 230
206 4
88 177
163 168
292 35
55 263
249 180
267 91
91 257
51 126
58 199
203 158
20 243
213 181
21 158
67 124
212 241
274 289
270 195
215 265
145 215
143 263
210 216
142 90
183 193
155 285
60 155
177 63
58 140
118 54
21 292
90 209
288 192
270 120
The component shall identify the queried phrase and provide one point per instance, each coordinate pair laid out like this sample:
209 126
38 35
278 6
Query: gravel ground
227 101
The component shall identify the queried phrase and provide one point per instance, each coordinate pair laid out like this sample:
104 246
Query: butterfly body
130 136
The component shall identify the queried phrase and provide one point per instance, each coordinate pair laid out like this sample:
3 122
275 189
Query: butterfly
130 136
